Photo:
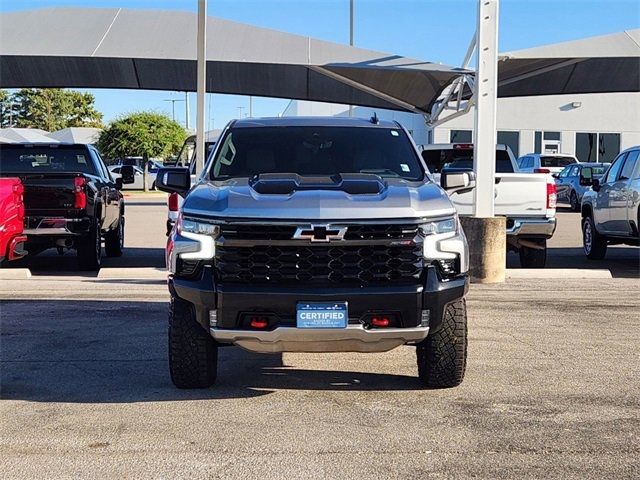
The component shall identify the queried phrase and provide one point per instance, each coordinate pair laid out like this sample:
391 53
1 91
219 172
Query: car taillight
551 195
463 146
80 196
173 202
541 170
18 193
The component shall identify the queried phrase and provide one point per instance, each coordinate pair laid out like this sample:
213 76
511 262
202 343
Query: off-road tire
573 201
193 354
114 240
532 257
594 244
89 249
442 356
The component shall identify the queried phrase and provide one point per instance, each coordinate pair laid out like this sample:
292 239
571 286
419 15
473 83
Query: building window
597 147
510 139
586 150
552 136
460 136
608 147
538 143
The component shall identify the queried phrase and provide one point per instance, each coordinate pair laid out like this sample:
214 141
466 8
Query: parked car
324 236
610 209
528 201
568 182
12 238
71 200
138 178
545 162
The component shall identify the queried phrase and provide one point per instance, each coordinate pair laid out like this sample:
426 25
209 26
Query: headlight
192 240
193 226
440 226
445 243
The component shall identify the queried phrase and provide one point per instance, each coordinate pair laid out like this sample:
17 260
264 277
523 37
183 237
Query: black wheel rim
574 200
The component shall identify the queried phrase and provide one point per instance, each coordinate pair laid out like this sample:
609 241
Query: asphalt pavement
551 389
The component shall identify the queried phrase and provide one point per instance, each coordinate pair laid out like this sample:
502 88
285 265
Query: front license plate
322 315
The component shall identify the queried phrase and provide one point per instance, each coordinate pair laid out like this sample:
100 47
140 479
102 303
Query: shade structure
24 135
87 135
155 50
602 64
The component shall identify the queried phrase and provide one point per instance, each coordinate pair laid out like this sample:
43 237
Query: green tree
143 134
54 108
7 109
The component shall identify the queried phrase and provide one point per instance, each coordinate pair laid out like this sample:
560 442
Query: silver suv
316 235
610 208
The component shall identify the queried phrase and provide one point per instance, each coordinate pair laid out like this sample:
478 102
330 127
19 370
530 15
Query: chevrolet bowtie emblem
320 233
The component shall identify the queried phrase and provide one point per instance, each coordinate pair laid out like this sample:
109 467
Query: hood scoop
287 183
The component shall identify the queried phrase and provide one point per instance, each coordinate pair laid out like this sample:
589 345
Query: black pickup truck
71 200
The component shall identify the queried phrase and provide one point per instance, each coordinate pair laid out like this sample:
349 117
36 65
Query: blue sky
433 30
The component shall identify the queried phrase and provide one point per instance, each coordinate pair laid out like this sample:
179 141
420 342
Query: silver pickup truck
528 200
316 235
610 209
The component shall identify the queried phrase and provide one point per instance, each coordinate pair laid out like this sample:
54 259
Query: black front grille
257 232
327 264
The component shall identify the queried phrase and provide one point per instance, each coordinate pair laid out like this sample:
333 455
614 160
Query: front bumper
419 309
354 338
531 227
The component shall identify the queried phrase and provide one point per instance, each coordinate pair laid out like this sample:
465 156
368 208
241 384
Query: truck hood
236 199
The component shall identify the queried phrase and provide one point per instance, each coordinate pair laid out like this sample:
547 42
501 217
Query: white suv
545 162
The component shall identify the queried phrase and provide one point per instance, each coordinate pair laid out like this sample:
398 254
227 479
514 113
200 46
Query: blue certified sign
322 315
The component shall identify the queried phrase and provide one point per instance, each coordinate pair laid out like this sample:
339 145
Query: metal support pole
486 84
351 8
187 120
202 84
250 106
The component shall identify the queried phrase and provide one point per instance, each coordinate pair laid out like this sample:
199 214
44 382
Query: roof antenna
374 119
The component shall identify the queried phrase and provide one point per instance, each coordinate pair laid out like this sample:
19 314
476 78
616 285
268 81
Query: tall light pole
201 83
250 106
187 120
173 107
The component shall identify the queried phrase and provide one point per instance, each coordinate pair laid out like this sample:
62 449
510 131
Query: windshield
440 158
556 161
318 151
598 171
46 158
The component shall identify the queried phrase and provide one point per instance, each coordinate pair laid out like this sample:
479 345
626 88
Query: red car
11 219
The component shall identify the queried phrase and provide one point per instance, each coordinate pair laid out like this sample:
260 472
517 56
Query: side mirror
586 176
595 185
555 175
119 183
457 180
173 180
127 174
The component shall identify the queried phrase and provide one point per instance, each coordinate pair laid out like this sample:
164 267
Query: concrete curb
14 273
542 273
133 273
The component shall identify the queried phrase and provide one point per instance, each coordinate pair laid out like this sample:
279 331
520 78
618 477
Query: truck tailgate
516 195
50 194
